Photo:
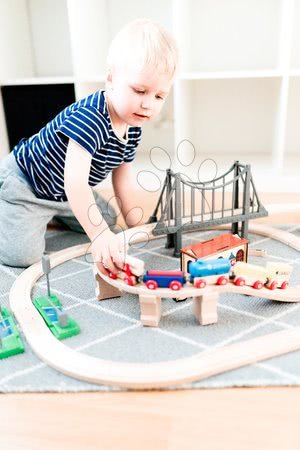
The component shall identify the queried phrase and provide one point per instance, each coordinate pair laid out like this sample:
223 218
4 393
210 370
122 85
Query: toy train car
212 271
274 275
133 269
172 279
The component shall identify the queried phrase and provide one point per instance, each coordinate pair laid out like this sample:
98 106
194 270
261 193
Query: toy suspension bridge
184 205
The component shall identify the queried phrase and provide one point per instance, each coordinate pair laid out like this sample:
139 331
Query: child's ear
109 78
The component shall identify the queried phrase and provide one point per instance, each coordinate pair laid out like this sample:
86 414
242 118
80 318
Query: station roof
214 245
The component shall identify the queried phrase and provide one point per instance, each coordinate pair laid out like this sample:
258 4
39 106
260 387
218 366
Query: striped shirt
42 157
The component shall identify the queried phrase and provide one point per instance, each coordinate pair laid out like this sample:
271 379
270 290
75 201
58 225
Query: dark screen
29 107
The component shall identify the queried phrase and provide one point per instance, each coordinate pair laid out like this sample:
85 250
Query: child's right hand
108 252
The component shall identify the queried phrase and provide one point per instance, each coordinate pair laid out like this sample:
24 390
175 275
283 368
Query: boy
52 172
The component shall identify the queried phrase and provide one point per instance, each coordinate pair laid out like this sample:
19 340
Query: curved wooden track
140 376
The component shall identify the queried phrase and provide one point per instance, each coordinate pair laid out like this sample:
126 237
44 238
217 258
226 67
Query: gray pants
24 217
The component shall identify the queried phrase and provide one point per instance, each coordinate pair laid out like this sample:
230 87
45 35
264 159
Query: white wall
50 38
16 59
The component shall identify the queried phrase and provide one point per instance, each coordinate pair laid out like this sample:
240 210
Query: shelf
52 80
49 37
157 10
90 80
230 116
193 76
34 39
230 35
295 51
292 138
37 80
222 75
237 91
294 73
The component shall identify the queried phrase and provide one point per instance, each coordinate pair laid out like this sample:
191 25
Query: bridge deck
206 220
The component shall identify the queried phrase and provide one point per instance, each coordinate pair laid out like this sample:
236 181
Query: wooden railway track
154 375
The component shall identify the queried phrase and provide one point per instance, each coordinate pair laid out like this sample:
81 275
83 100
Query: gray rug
111 329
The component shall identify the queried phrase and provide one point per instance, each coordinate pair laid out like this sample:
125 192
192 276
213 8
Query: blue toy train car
209 271
173 279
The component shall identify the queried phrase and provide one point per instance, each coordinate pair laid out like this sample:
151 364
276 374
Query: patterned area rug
111 329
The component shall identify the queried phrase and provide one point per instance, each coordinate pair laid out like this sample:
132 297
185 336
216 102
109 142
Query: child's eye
159 97
138 91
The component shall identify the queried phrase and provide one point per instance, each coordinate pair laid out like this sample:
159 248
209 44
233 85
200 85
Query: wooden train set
140 376
203 280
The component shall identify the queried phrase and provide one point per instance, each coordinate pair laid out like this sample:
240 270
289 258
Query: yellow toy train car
273 275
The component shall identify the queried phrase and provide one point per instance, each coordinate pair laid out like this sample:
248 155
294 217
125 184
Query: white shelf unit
237 94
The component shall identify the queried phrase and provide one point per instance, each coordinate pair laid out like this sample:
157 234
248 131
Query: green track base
10 337
43 305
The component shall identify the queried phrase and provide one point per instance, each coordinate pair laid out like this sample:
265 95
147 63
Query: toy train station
227 245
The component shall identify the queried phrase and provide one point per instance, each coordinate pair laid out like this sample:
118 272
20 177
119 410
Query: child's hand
108 252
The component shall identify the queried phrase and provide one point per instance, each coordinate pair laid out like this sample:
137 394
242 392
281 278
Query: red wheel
284 285
258 284
151 284
200 284
240 282
222 281
113 276
175 285
128 281
273 285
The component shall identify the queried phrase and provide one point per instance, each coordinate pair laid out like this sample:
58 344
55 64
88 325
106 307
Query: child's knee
20 254
20 259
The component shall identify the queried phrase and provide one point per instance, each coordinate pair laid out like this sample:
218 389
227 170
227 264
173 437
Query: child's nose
146 103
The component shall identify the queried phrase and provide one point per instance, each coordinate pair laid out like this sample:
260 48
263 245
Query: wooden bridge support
150 310
205 308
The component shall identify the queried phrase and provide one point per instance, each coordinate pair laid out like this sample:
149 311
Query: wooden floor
227 419
212 419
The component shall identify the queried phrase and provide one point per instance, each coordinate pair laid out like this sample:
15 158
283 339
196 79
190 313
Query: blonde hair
144 43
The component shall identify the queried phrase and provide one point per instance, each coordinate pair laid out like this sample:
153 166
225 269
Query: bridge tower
184 205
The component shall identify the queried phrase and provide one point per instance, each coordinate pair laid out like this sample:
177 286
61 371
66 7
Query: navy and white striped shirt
42 157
